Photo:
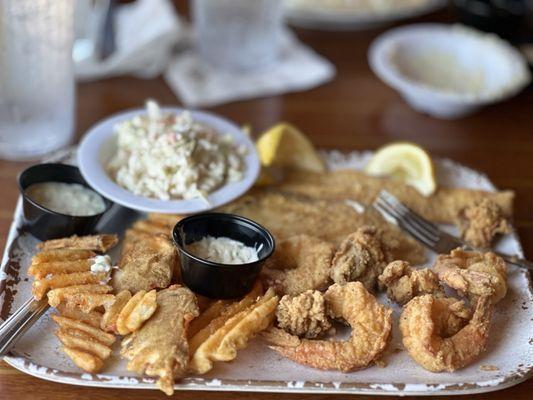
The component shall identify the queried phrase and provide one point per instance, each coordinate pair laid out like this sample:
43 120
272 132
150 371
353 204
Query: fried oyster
480 222
304 315
362 256
404 282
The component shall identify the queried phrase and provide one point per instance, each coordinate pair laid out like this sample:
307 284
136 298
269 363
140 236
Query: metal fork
426 232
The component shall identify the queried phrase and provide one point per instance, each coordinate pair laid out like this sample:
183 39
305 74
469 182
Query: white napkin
200 85
145 33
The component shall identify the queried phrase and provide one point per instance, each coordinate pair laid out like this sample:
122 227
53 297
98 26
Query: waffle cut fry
220 339
88 346
63 271
66 268
101 243
127 313
87 334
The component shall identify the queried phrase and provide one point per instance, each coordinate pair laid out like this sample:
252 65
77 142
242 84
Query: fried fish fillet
149 264
286 215
299 263
443 206
153 225
160 348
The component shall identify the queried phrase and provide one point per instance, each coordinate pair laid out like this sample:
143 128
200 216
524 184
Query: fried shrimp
299 263
450 315
425 332
404 282
360 257
371 324
473 274
304 315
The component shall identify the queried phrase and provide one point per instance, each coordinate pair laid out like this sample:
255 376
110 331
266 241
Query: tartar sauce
224 250
67 198
101 264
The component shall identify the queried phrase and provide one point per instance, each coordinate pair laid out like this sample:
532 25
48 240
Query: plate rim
257 386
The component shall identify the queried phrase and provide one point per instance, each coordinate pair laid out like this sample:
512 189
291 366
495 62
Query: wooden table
354 111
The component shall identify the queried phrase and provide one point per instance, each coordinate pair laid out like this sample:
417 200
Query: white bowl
99 145
448 71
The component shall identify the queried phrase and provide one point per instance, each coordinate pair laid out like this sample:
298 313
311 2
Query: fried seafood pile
440 333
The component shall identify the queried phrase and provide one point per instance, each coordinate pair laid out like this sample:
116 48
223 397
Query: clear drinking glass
37 87
238 34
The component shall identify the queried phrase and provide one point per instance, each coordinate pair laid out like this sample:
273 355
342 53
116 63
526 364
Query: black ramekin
46 224
211 279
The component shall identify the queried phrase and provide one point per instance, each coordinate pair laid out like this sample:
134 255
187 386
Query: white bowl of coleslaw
168 160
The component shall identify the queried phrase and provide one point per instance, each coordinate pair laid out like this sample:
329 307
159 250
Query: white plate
502 70
344 19
99 144
259 369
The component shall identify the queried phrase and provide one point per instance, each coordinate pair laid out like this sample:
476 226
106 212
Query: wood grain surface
354 111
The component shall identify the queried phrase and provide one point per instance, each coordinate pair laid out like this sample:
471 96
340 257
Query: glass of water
238 34
37 87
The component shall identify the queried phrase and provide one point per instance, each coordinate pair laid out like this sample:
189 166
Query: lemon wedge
405 162
285 146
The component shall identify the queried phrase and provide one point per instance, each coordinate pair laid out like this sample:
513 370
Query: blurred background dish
506 18
448 71
238 34
355 14
99 146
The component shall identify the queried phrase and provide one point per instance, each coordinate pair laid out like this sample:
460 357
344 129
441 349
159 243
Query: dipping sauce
224 250
66 198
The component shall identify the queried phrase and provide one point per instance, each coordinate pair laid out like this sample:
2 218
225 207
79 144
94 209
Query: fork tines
418 227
